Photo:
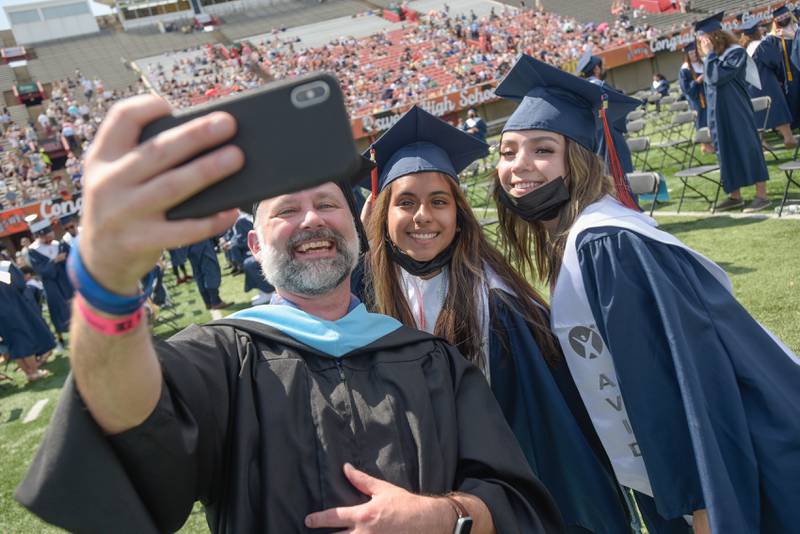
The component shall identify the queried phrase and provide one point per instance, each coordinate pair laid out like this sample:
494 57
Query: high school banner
13 221
624 55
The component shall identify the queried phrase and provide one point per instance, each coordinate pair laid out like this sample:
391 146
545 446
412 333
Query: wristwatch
464 521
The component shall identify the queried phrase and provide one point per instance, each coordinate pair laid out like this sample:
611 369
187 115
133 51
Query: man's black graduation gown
257 425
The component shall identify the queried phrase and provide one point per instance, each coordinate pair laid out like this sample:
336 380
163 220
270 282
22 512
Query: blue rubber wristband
99 297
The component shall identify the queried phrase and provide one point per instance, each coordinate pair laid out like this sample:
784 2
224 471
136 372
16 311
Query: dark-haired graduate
696 404
432 268
48 258
690 80
769 59
782 38
591 68
728 72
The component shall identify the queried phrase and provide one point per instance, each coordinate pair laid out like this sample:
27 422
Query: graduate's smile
423 238
521 188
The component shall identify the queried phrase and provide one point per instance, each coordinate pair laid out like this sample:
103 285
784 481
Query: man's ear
253 244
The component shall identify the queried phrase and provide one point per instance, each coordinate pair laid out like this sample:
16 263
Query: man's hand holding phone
129 187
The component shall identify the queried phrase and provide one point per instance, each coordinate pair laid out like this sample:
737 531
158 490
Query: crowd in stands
65 125
441 53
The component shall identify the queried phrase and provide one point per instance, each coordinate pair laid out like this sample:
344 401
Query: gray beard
309 278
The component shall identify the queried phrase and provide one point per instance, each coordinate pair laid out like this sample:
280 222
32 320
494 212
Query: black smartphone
294 133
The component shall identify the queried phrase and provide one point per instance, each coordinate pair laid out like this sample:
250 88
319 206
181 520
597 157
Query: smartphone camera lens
310 94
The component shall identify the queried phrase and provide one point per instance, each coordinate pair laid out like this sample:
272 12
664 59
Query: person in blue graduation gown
730 115
207 274
238 242
591 68
178 257
48 257
694 402
22 328
783 40
769 60
690 80
431 267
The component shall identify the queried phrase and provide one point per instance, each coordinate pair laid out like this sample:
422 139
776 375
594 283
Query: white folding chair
676 138
645 183
763 103
788 168
640 149
703 135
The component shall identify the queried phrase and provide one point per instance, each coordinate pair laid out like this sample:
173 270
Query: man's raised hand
129 187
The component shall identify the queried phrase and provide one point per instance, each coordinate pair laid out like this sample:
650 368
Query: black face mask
541 204
420 268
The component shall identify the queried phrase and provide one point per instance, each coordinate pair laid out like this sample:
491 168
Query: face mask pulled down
420 268
541 204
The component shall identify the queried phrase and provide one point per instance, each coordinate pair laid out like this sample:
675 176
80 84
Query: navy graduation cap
780 12
587 62
750 27
420 142
554 100
690 46
711 24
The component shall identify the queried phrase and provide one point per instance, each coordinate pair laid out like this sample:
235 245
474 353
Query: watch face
463 526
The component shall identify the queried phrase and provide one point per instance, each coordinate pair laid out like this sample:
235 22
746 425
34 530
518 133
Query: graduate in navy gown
769 60
690 80
431 267
591 68
238 241
48 258
207 274
782 38
695 403
728 71
178 257
22 327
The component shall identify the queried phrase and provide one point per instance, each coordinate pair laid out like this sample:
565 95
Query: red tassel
624 194
374 177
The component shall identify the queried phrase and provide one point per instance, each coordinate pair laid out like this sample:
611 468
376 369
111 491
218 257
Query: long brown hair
459 320
745 39
587 183
721 40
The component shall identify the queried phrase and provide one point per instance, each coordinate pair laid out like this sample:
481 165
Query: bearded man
308 413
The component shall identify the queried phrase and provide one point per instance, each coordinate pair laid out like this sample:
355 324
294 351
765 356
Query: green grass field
762 256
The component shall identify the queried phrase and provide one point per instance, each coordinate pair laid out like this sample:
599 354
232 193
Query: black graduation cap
554 100
420 142
781 12
690 46
710 24
750 27
587 62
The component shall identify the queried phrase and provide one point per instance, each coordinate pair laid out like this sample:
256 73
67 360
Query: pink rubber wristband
106 325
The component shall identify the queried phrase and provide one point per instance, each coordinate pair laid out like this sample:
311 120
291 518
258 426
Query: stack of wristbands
99 297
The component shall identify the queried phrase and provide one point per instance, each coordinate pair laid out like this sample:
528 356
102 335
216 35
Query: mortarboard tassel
373 177
624 193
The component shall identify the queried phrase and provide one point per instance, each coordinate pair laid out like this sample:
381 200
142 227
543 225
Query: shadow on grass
710 223
58 367
732 268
